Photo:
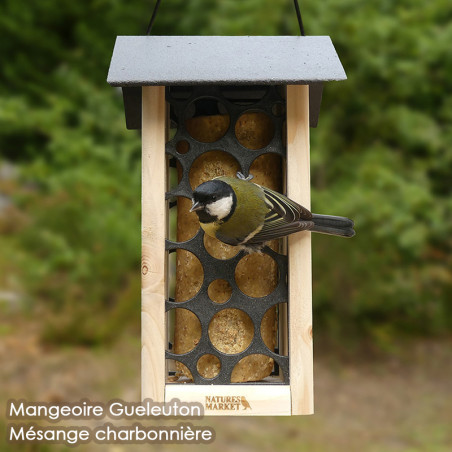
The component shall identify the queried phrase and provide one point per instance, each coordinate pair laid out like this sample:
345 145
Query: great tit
237 211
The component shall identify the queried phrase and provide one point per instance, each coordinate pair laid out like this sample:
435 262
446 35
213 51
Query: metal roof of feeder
222 60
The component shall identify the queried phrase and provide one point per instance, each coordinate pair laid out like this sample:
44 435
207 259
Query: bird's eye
214 198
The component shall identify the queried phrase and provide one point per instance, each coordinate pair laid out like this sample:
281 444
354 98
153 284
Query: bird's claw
242 177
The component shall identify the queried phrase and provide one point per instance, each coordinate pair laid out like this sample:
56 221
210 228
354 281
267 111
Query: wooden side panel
236 399
300 278
153 263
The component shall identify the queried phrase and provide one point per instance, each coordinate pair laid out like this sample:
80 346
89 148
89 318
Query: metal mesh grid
180 100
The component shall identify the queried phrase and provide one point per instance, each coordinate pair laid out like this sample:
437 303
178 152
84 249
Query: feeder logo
227 403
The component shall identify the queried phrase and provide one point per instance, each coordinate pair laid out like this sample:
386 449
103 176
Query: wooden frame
299 247
233 399
153 232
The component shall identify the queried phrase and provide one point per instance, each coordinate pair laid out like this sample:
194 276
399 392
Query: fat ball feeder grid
205 67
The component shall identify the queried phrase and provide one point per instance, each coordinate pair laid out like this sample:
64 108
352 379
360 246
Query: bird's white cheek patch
221 208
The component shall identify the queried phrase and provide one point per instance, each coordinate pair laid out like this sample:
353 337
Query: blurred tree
77 247
382 155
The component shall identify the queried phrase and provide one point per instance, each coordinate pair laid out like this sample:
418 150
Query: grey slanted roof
188 60
222 60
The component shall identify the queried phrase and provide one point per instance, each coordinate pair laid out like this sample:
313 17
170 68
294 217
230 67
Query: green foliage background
70 171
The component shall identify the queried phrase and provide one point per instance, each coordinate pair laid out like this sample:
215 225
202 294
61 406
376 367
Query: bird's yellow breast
210 228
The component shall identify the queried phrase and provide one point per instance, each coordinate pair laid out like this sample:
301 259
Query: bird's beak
196 206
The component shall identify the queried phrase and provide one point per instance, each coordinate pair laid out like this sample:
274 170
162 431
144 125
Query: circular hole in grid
266 170
187 331
189 275
207 120
212 164
231 331
184 223
254 130
218 249
257 275
252 368
182 146
244 95
182 372
278 109
274 329
219 291
208 366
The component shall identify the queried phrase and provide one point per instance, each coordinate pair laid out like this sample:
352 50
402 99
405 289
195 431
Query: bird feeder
235 334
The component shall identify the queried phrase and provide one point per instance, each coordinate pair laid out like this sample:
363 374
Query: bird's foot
242 177
255 248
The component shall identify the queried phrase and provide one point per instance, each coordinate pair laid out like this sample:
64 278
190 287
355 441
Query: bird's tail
329 224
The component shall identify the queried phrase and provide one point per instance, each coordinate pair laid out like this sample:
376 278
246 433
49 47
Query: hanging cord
157 4
154 14
300 21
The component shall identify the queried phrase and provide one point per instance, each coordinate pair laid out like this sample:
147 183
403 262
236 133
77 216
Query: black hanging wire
300 21
154 14
157 4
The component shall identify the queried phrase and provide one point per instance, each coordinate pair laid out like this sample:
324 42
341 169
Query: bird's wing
285 217
285 208
279 228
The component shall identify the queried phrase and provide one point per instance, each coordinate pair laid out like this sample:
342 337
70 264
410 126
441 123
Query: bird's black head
213 200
